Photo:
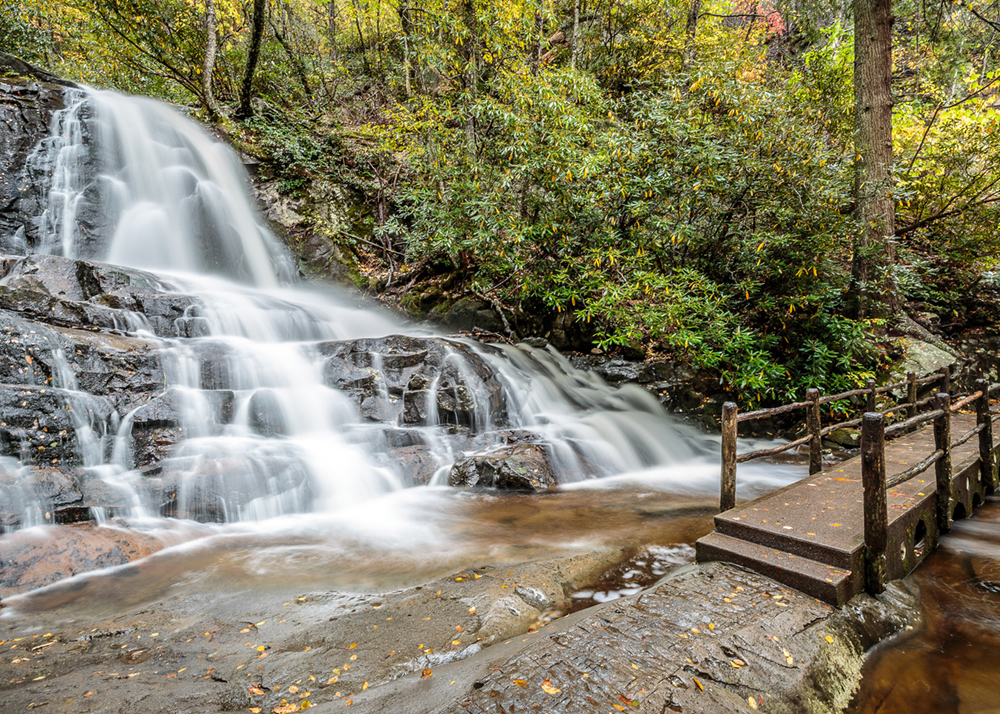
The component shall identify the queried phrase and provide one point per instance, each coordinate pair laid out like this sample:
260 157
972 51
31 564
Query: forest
685 179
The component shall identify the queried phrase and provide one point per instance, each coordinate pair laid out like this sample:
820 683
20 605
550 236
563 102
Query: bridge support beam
942 469
876 510
729 425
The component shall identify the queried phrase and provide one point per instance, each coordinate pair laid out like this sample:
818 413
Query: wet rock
28 97
231 487
521 467
469 313
416 381
32 559
415 464
706 639
125 369
83 294
37 424
266 417
35 496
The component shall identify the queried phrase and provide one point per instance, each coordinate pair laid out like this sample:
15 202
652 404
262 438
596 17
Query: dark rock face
28 97
84 294
416 381
38 423
521 467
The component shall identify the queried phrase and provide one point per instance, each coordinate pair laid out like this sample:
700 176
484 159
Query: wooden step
825 582
734 524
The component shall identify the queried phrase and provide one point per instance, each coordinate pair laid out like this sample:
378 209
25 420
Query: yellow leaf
752 702
521 682
829 639
700 685
548 688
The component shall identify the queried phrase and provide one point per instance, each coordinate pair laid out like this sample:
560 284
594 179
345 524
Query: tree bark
406 24
576 34
873 292
470 53
690 30
208 68
245 109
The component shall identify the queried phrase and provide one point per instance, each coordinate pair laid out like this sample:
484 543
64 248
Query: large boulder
416 381
84 294
518 467
924 358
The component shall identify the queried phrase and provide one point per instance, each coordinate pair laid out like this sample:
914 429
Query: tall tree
873 290
256 35
209 67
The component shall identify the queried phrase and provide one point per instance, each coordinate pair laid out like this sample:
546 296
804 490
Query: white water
289 443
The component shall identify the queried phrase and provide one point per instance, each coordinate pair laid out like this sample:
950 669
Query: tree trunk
471 75
690 30
873 292
576 34
209 67
245 109
406 24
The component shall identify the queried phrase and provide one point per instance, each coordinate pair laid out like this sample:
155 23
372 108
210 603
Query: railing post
870 397
729 426
911 394
946 379
813 424
876 510
983 416
942 442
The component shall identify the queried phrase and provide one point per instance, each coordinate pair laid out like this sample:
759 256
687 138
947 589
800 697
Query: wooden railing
815 431
875 484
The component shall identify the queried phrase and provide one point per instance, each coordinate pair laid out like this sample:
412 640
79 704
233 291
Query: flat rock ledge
708 638
711 638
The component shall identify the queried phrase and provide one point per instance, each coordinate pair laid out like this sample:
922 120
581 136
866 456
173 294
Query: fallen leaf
548 688
752 702
257 690
353 645
521 682
425 674
700 685
829 639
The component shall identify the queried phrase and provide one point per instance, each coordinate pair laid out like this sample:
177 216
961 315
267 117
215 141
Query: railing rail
815 431
876 485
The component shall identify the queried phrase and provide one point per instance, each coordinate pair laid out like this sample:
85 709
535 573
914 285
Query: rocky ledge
713 639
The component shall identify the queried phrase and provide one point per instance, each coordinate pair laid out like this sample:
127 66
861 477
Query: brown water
951 663
435 533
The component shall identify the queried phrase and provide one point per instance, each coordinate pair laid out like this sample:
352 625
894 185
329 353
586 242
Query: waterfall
282 398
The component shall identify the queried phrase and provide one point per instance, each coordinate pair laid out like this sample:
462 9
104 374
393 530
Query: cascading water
280 399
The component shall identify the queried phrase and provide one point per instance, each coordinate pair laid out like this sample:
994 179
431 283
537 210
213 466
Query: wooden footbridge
871 519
